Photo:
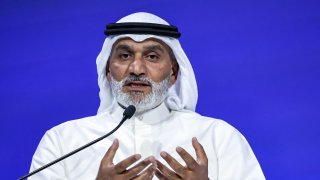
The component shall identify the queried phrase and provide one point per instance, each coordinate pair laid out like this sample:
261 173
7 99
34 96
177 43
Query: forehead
145 43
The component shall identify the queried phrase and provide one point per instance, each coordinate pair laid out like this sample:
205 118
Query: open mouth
137 85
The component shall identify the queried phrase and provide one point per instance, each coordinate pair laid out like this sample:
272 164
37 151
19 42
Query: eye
152 57
124 56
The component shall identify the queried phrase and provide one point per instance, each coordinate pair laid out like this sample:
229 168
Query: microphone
127 114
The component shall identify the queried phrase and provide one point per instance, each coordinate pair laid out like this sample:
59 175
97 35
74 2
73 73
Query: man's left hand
194 169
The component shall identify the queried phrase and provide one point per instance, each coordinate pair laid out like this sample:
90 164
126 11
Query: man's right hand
110 171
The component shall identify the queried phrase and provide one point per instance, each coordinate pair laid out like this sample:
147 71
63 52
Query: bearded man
143 64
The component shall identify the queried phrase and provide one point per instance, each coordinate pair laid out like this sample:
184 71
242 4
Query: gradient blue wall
256 63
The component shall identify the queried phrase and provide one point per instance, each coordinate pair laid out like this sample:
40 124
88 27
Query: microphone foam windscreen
129 111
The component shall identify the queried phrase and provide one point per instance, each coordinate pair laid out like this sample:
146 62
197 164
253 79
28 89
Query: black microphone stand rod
126 115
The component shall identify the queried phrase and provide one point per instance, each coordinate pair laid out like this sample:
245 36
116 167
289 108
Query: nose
137 66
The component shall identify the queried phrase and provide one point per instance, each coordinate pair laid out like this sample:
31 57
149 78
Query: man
143 64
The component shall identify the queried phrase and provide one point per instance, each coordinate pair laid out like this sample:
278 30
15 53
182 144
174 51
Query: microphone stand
124 118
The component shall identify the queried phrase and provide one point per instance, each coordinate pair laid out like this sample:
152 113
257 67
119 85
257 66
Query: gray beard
146 102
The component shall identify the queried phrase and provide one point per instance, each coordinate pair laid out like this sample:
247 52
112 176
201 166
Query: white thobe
160 129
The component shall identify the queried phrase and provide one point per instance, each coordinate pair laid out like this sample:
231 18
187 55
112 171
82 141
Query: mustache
140 78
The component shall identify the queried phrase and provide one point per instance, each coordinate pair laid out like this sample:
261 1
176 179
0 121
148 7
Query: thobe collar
152 116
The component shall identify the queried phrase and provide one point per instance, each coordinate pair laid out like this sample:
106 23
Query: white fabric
230 156
183 95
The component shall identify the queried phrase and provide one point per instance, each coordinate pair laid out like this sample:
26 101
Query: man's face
141 69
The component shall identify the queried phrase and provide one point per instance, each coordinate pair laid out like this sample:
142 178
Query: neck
140 111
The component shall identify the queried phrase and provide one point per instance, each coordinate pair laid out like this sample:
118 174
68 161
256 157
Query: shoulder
222 133
213 127
70 134
196 118
79 125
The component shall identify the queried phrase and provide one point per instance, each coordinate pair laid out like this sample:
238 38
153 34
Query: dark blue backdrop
256 63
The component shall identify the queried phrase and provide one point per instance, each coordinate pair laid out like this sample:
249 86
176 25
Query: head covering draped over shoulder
183 95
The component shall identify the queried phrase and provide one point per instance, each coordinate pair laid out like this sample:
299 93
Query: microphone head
129 111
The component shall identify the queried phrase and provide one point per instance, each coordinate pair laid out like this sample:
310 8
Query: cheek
118 71
159 72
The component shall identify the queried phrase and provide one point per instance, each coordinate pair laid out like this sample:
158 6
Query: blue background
256 63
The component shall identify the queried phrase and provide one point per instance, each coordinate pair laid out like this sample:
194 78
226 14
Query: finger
135 170
160 176
148 173
190 162
173 163
108 157
166 172
201 154
123 165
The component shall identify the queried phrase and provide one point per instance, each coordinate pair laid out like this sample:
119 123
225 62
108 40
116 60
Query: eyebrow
149 48
153 48
124 47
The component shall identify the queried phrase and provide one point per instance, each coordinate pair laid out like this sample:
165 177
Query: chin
137 97
137 94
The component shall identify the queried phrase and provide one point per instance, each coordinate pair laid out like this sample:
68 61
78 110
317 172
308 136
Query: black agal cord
142 28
